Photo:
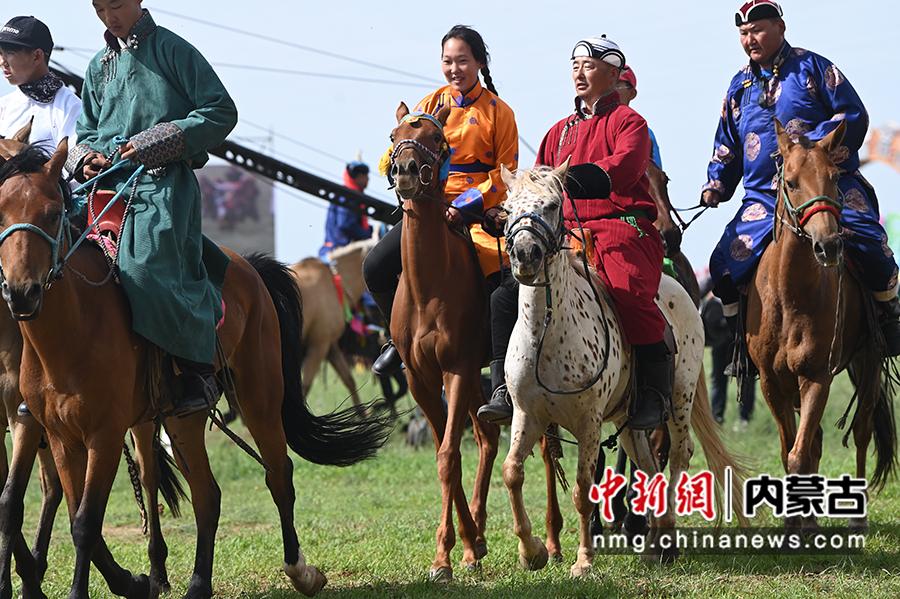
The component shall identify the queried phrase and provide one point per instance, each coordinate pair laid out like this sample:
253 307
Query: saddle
105 232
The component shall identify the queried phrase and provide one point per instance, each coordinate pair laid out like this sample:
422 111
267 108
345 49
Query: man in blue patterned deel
811 97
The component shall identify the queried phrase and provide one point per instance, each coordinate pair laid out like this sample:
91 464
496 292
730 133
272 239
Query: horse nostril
535 253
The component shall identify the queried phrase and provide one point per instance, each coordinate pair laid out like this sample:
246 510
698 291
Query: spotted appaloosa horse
87 400
807 320
550 365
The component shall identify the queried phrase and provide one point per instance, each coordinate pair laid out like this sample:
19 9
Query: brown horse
671 232
25 430
87 400
806 319
439 326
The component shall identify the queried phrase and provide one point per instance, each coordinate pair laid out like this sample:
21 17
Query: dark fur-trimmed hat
756 10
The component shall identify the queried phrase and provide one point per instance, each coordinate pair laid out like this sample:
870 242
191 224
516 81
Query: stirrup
498 410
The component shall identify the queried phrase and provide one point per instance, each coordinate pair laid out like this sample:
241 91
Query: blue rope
137 172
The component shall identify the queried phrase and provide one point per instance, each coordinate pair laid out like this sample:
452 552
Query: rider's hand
710 198
127 151
494 223
454 217
93 164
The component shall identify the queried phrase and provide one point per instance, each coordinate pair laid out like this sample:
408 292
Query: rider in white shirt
25 47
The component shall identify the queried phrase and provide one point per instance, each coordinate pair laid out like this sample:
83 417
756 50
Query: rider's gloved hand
93 164
710 198
587 181
494 222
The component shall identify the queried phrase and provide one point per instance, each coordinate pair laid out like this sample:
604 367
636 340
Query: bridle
551 239
436 160
799 216
63 234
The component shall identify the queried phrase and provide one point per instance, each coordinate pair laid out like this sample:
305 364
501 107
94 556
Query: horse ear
784 140
562 170
402 111
830 142
443 114
54 166
507 176
23 134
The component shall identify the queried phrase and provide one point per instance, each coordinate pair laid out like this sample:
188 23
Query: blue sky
684 54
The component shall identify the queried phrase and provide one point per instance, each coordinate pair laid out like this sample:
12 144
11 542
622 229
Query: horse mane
541 180
30 160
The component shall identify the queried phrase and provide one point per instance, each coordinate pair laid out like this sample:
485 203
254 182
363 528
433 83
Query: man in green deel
154 89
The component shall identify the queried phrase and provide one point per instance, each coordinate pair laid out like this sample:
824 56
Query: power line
248 67
303 47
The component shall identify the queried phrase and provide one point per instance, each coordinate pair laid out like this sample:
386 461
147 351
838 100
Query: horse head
808 191
534 228
31 204
420 154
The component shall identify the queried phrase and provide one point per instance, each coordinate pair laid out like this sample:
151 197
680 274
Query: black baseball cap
27 32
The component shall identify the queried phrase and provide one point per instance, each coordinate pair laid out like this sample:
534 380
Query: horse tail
717 455
885 425
340 438
170 486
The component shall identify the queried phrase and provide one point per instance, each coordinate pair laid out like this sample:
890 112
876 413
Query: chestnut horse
806 319
439 326
87 400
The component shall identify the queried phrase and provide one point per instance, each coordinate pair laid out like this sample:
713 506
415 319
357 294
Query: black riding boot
389 362
889 319
653 396
200 391
732 321
499 409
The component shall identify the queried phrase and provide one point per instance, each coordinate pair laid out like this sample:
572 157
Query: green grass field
371 527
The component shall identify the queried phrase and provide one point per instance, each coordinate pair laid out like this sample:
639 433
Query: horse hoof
556 557
537 561
472 567
139 588
858 524
481 550
441 575
309 580
580 570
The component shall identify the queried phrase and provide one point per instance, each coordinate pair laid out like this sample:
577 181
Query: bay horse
568 363
87 400
26 432
439 326
807 320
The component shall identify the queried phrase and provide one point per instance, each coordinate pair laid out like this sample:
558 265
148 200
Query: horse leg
554 519
311 364
524 434
427 394
265 425
189 448
802 458
26 438
864 374
51 491
637 446
588 449
338 361
157 550
487 437
459 390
